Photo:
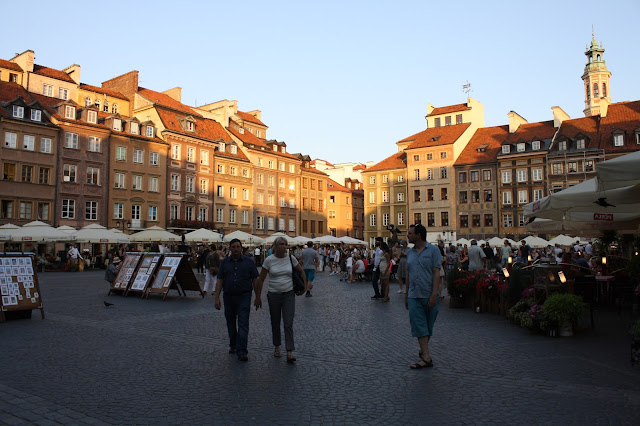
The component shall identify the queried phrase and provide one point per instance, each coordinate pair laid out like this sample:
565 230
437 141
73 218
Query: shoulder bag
298 282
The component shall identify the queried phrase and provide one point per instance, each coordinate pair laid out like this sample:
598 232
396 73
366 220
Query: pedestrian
280 296
401 273
385 270
376 272
237 276
477 258
74 254
525 251
111 272
505 252
423 263
309 264
211 269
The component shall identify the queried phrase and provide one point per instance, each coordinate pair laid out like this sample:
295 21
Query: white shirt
74 253
589 249
280 280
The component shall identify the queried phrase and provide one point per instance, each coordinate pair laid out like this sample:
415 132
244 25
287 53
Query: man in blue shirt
423 268
237 276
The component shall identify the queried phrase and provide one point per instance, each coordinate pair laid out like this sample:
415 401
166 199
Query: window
292 203
190 126
437 122
588 165
47 90
91 210
401 218
444 219
219 215
10 140
135 212
119 181
9 171
475 220
416 195
93 176
416 157
137 156
443 194
292 225
153 158
191 184
137 183
135 128
486 175
537 194
92 117
506 176
507 220
580 144
281 167
520 147
69 112
572 167
204 186
18 111
475 176
506 149
233 149
462 197
97 104
283 202
245 217
175 182
488 196
562 146
191 155
63 93
220 168
372 197
430 194
69 172
536 174
400 196
6 209
417 218
385 178
232 213
506 197
385 196
557 168
220 191
429 174
121 153
443 172
153 184
385 219
348 215
271 224
173 212
523 196
44 175
94 144
175 152
153 213
488 220
233 193
259 162
68 209
535 145
245 194
618 140
29 143
259 222
447 120
71 140
458 118
332 214
245 173
596 92
521 175
292 169
117 124
150 132
27 173
443 155
372 180
431 219
462 177
464 221
521 220
25 210
272 182
430 156
475 196
45 145
281 183
372 220
271 166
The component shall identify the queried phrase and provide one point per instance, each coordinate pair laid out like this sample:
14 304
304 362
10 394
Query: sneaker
308 294
400 291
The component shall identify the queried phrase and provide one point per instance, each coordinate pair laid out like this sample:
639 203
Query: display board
126 272
174 272
145 272
19 288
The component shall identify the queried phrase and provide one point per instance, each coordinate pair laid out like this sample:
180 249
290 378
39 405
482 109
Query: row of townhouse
461 179
129 157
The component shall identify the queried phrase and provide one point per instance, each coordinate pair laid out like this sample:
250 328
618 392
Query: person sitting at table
566 260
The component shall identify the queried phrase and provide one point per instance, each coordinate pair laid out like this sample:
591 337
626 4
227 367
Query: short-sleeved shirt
309 257
280 270
238 275
476 254
420 266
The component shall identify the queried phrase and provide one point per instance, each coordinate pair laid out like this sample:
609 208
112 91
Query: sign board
174 272
145 272
19 288
126 272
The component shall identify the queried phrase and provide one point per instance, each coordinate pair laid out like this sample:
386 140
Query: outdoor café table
604 285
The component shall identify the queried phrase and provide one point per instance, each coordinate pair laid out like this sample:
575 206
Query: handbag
299 288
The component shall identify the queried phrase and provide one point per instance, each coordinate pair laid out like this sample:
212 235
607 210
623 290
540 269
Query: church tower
596 79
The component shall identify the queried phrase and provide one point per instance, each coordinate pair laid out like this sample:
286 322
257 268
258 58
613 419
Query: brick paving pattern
154 362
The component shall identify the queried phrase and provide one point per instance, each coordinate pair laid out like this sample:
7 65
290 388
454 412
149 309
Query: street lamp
124 222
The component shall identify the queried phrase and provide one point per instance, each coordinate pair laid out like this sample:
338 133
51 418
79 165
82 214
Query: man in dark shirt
237 276
525 251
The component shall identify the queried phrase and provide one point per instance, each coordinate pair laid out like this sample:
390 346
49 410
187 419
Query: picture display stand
174 272
19 288
126 272
144 274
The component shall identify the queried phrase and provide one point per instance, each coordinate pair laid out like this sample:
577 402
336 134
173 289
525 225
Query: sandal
418 365
277 353
290 358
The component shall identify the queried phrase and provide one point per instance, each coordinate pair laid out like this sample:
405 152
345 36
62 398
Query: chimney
175 93
604 106
559 116
430 108
515 121
127 84
25 60
256 113
74 72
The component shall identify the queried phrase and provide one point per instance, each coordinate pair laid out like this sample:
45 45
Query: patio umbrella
37 231
496 241
66 228
619 172
353 241
327 239
154 234
303 240
536 242
95 233
563 240
7 230
244 237
290 240
203 235
463 241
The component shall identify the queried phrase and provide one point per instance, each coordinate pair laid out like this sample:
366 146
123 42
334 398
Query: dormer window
135 128
233 149
92 117
437 122
69 112
580 144
150 131
258 134
63 93
283 149
36 115
241 130
190 126
447 120
117 124
88 101
520 147
482 148
114 108
506 149
222 147
618 140
18 111
535 145
274 148
106 106
562 146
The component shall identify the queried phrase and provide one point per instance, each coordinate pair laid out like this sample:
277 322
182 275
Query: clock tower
596 79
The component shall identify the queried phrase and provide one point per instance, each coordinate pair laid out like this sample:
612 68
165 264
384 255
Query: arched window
598 57
114 108
595 90
97 104
87 101
586 88
604 90
106 106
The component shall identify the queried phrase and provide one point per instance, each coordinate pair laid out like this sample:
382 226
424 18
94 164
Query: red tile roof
395 161
249 139
10 65
313 162
167 101
313 170
436 136
102 90
448 109
489 139
53 73
250 118
583 126
532 132
621 116
360 167
205 128
332 185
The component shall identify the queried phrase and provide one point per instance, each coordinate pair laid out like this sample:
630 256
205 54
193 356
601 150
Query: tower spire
596 78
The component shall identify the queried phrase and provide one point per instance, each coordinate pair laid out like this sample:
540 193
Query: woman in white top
282 303
349 265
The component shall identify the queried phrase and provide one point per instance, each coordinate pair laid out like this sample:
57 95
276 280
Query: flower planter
457 301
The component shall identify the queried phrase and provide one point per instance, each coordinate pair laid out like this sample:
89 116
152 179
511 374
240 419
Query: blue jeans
375 280
236 311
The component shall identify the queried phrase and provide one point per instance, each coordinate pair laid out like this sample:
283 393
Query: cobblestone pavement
166 362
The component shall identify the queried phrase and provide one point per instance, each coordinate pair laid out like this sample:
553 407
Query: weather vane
466 88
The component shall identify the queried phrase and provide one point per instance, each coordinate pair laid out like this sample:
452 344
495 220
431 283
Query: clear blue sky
340 80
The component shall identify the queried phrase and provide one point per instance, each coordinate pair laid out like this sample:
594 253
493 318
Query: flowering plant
490 285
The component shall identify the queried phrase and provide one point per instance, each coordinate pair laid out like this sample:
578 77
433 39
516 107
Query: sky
341 80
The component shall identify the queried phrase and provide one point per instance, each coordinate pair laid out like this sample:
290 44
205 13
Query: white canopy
303 240
563 240
272 238
203 235
154 234
496 241
353 241
536 242
327 239
95 233
37 231
619 172
7 230
244 237
463 241
66 228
